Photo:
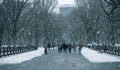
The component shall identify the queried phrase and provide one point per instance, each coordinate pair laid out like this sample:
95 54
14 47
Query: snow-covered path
61 61
95 56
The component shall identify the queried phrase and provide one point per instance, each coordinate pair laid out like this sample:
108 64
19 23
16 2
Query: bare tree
87 16
1 24
14 12
42 17
109 10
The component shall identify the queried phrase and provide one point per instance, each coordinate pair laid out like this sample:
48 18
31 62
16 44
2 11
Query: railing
6 51
115 50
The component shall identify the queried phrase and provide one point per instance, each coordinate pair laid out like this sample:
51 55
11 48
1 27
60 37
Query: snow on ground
19 58
91 55
95 56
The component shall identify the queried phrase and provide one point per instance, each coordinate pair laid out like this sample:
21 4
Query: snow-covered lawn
19 58
95 56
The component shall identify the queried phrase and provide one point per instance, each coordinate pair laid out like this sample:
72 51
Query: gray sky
62 2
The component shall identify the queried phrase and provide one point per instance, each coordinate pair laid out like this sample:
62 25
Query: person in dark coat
69 47
45 50
74 47
80 47
64 47
49 46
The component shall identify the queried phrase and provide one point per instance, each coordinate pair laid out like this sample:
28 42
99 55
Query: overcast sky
62 2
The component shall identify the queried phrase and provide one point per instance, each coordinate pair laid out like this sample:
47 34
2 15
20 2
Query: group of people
69 47
65 47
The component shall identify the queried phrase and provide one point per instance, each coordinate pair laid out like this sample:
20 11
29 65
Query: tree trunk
36 35
1 34
111 30
14 41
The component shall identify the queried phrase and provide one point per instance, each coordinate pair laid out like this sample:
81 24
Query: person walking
80 47
45 50
74 47
69 48
48 46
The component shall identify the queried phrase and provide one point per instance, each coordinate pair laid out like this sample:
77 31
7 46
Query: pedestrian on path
69 48
45 50
48 46
80 47
74 47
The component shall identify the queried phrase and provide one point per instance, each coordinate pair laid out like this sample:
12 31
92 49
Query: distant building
66 9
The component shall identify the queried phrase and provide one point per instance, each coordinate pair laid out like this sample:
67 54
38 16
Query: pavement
61 61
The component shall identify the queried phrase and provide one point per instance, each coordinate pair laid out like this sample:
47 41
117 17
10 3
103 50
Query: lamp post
22 41
29 38
98 33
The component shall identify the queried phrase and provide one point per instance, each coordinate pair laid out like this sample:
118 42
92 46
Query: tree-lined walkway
60 61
